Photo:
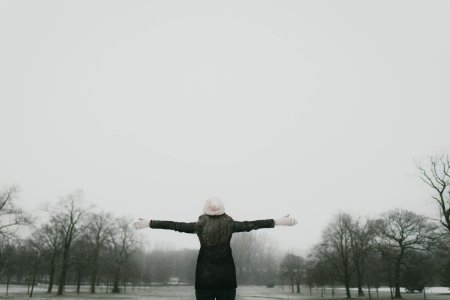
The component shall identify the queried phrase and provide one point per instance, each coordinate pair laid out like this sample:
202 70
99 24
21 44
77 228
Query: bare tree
310 278
50 237
124 243
401 232
80 259
98 232
67 216
10 214
362 235
35 246
244 246
319 271
160 265
336 248
139 268
437 176
292 267
254 257
422 268
374 272
8 261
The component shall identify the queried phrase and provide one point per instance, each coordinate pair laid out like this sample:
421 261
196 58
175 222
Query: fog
151 107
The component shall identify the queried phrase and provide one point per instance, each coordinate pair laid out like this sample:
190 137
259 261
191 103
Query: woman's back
215 265
214 230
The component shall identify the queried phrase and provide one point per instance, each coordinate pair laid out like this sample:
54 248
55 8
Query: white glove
285 221
141 224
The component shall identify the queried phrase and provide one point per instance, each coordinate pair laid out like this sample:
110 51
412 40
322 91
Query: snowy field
187 293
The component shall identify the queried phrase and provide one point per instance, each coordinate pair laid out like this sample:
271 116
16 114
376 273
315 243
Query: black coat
215 264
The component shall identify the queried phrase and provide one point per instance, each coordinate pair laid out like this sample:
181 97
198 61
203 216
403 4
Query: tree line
81 245
398 249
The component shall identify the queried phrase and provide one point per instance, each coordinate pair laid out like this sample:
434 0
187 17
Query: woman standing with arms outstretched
215 275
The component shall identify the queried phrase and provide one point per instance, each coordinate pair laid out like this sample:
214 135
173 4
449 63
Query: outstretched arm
252 225
157 224
269 223
177 226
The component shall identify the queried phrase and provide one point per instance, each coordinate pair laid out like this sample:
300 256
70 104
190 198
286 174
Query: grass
188 293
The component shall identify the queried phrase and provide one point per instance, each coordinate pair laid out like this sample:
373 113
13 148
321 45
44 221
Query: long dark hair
214 230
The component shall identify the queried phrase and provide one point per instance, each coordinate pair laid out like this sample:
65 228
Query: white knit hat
213 207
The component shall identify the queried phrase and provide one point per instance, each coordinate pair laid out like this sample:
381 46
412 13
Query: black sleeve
177 226
252 225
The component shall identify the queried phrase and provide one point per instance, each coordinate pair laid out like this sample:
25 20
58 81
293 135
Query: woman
215 275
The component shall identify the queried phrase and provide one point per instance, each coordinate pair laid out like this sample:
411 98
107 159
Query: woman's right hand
141 224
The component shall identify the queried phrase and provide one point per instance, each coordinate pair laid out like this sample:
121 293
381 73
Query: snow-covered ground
187 293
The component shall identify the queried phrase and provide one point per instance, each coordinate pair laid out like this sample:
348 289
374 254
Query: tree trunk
62 281
389 273
34 276
360 290
51 274
62 277
94 270
93 280
397 281
297 282
359 275
347 291
7 286
347 286
78 281
28 283
116 288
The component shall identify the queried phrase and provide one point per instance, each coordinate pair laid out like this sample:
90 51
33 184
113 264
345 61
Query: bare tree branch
437 176
10 215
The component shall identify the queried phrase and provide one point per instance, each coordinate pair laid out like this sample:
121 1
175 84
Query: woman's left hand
141 224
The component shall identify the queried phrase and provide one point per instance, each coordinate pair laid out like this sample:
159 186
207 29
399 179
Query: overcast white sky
150 107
